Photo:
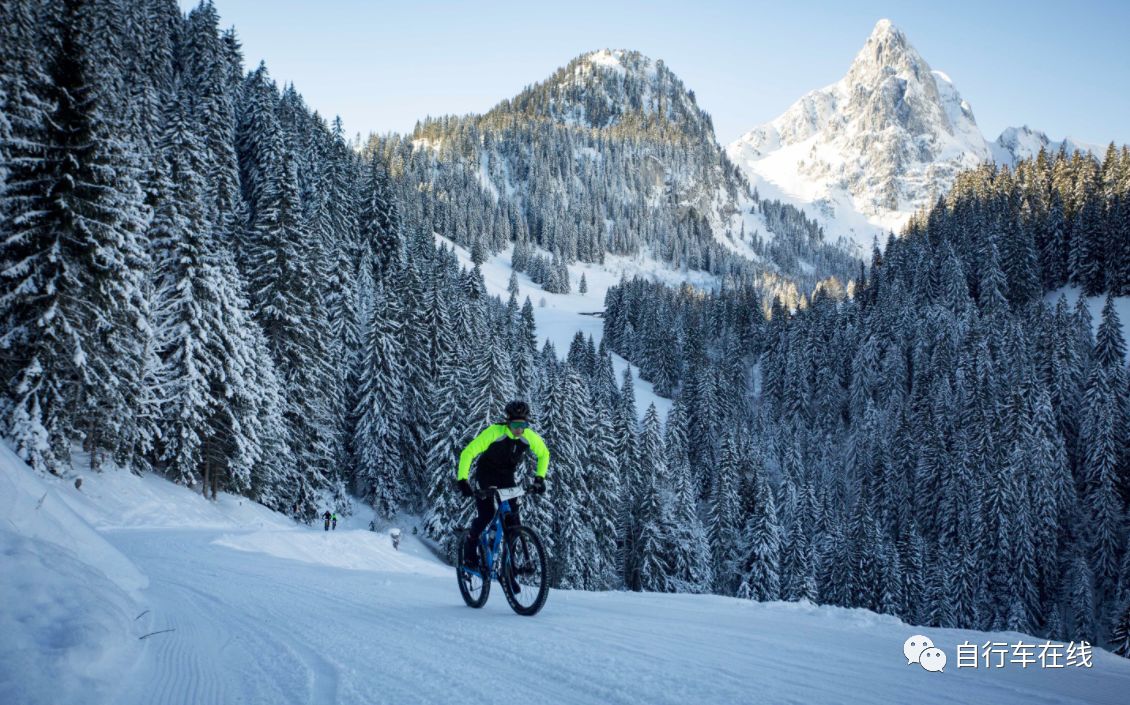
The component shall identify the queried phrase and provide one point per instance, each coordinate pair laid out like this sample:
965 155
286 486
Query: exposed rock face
865 153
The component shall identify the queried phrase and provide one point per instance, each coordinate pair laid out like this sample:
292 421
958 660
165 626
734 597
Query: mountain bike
513 556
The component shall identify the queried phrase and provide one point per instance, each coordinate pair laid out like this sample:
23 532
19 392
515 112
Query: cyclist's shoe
471 557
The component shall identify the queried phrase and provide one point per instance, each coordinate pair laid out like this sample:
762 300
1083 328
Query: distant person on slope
326 517
500 448
335 521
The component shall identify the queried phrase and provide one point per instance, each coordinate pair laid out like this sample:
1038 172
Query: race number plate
510 493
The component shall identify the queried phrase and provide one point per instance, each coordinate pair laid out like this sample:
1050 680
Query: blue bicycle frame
488 551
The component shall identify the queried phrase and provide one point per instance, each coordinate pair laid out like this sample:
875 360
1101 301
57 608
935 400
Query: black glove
465 488
539 486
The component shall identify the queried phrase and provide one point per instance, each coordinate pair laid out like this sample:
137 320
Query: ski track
253 628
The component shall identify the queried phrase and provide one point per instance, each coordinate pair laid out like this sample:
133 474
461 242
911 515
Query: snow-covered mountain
629 95
609 155
1016 143
863 154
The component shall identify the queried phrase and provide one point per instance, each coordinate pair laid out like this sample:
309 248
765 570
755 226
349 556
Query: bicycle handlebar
514 492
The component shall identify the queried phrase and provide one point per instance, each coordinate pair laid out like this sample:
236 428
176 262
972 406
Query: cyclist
500 448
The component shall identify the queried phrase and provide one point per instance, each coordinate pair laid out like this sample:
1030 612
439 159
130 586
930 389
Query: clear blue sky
1062 67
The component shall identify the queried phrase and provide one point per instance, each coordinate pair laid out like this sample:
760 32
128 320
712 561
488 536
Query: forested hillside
199 274
945 445
609 155
202 279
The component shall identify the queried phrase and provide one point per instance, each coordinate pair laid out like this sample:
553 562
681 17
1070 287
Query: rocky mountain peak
885 50
875 146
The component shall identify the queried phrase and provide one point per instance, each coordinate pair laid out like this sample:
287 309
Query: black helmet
517 410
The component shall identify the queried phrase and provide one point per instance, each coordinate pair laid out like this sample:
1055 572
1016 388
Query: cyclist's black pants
485 508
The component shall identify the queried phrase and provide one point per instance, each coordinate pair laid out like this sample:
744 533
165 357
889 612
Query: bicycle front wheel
473 586
525 580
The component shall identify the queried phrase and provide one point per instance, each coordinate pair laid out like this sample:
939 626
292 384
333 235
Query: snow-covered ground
240 605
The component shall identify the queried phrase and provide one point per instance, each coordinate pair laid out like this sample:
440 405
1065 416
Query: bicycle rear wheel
473 586
525 578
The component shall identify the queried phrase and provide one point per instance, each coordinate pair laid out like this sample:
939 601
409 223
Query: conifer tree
650 510
603 497
74 258
574 541
446 507
1120 635
188 315
625 425
380 474
760 564
725 522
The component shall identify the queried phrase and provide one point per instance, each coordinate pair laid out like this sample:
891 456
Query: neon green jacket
495 432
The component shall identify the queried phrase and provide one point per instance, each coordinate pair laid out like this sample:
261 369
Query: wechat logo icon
921 650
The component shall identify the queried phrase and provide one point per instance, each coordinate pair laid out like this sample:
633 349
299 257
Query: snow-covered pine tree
259 143
258 404
208 85
724 529
283 285
1081 599
688 550
992 287
525 352
760 551
625 433
604 495
651 510
447 509
77 303
491 383
563 405
380 217
188 314
417 385
380 473
1120 633
798 564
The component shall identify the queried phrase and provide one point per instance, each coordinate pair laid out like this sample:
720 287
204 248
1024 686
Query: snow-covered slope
253 625
564 315
863 154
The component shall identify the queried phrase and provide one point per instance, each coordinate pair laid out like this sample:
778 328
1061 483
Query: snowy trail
254 628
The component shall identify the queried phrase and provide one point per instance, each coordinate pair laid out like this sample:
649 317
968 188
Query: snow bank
39 508
68 608
69 633
115 499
